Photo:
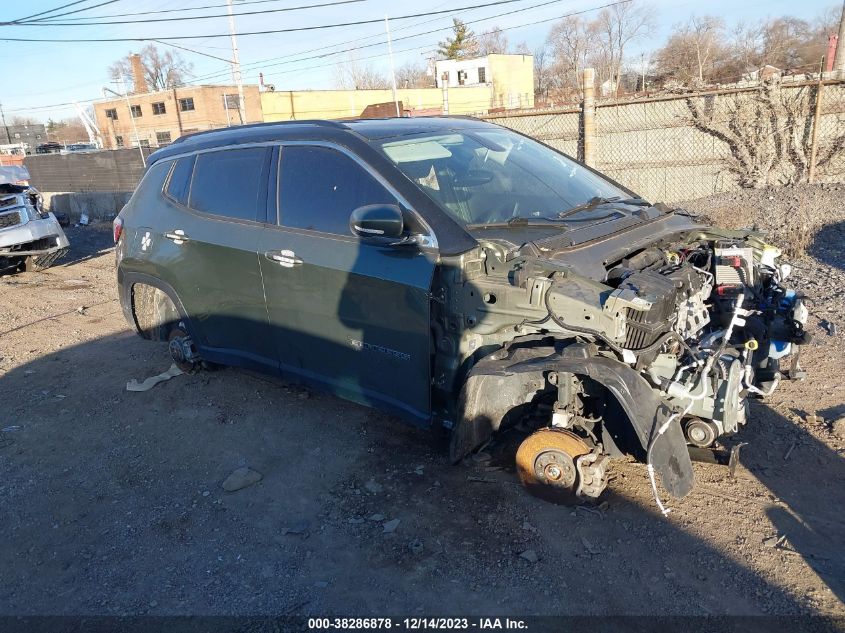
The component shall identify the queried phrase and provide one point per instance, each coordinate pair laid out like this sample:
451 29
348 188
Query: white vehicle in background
30 237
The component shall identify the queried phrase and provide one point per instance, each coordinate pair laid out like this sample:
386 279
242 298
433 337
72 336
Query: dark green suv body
454 272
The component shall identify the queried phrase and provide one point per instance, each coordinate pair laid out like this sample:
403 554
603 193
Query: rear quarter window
153 181
179 183
231 183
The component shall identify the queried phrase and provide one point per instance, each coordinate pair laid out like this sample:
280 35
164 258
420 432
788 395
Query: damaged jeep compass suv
457 273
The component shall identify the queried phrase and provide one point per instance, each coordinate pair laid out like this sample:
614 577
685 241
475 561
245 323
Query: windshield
493 176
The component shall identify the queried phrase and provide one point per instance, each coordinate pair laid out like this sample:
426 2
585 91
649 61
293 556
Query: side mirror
377 221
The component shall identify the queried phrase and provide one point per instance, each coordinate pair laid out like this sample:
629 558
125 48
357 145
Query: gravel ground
113 501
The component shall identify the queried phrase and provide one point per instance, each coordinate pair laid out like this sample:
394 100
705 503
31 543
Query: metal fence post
814 143
588 117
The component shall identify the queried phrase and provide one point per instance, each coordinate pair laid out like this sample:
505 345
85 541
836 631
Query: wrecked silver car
30 237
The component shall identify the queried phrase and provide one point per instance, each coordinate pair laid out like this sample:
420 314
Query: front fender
503 381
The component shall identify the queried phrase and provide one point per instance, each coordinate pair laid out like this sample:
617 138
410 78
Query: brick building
163 116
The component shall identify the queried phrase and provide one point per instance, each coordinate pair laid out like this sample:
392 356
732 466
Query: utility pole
236 63
392 70
642 60
5 127
132 118
839 60
588 117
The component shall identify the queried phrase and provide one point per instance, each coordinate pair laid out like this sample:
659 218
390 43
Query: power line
59 8
379 43
405 50
102 4
194 17
191 50
437 30
315 27
180 10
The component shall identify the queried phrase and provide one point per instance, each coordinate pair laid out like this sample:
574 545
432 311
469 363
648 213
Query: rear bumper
35 237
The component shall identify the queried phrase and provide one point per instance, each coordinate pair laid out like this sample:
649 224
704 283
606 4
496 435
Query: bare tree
542 71
68 130
522 49
22 120
353 75
688 56
788 43
619 25
570 42
413 75
162 69
493 42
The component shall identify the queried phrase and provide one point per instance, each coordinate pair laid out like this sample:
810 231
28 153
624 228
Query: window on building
320 187
186 104
179 185
111 113
135 110
118 141
231 183
231 102
482 75
144 142
163 138
158 108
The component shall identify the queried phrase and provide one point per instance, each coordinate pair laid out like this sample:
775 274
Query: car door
348 315
209 248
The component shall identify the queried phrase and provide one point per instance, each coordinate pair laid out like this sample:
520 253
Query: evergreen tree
462 43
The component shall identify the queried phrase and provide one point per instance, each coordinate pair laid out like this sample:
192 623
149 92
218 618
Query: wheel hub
555 468
546 463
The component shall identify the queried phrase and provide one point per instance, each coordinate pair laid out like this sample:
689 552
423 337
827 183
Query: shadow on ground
828 245
112 504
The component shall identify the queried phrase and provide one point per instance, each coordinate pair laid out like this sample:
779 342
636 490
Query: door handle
285 258
178 236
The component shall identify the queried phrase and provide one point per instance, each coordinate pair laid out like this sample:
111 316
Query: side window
180 180
320 187
231 183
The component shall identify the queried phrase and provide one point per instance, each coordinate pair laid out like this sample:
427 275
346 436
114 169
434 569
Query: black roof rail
250 126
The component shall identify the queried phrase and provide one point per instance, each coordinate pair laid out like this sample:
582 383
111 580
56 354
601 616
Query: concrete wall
97 183
347 104
116 170
98 205
652 146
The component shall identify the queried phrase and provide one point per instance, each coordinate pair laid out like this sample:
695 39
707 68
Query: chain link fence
680 147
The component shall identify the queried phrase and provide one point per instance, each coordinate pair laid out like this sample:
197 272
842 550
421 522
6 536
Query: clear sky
40 75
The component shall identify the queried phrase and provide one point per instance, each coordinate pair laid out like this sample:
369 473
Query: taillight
117 228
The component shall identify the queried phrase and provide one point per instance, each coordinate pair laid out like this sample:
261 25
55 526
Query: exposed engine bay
654 354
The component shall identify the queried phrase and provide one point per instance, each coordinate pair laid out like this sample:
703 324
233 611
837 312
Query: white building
510 76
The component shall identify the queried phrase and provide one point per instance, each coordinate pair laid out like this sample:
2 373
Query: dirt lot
112 501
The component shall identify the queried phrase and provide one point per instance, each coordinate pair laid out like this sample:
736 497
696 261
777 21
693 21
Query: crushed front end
651 353
30 237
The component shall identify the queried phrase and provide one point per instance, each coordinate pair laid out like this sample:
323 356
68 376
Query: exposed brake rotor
547 464
183 351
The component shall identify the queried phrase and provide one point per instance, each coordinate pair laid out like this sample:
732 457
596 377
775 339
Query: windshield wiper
515 221
592 203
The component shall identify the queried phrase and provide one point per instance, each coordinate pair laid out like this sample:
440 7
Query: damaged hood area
27 230
587 244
